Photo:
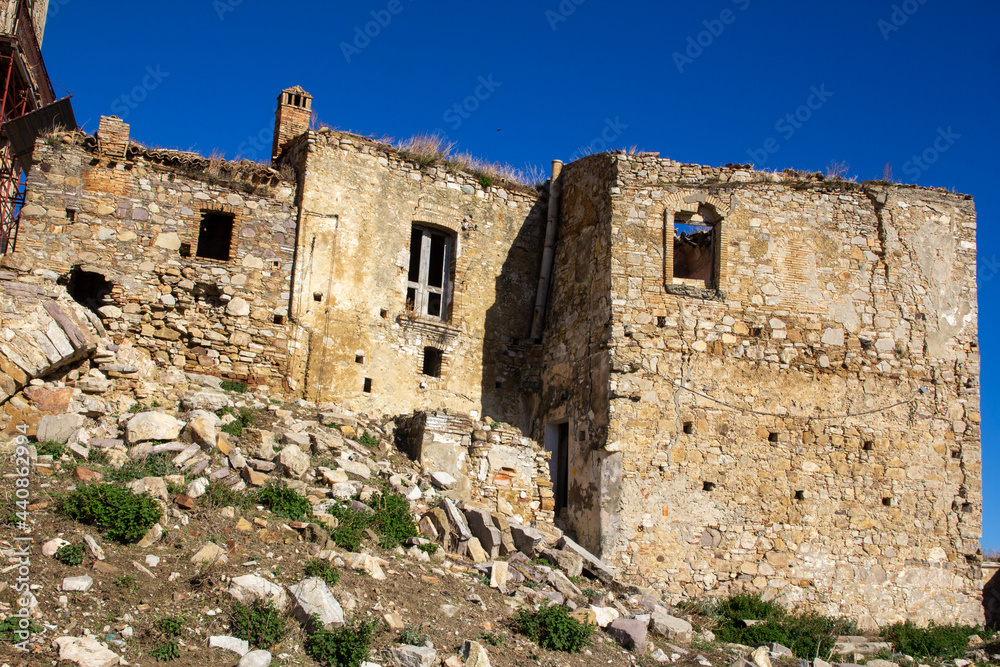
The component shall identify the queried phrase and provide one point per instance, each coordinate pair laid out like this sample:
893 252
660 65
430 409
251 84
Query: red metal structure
26 88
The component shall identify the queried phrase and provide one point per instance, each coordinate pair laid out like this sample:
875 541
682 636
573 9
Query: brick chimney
291 118
113 137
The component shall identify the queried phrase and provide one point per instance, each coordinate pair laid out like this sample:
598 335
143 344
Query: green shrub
170 625
553 628
259 623
807 634
368 440
234 386
11 626
50 448
392 521
136 408
97 456
244 419
71 554
157 465
412 636
493 638
284 501
428 548
934 641
323 570
347 646
120 514
217 494
165 652
485 181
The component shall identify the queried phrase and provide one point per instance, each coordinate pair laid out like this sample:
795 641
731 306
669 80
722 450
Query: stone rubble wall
41 328
991 594
495 466
360 201
136 223
834 300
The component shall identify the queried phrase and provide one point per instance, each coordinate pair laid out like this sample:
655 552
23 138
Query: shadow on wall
991 601
512 362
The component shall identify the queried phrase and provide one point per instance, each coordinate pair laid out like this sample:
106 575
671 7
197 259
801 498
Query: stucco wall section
360 200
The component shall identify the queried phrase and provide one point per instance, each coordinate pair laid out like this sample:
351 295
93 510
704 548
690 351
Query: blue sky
711 82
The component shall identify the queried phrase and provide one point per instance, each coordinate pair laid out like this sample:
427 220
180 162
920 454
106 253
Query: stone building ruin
743 380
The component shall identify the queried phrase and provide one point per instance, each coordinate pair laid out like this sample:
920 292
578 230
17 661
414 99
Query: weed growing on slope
553 628
347 646
121 515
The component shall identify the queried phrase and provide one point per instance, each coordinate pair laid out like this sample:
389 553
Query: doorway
557 442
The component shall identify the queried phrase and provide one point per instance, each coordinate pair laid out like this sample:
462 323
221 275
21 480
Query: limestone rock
259 444
674 629
152 426
294 462
250 586
209 401
52 546
238 307
313 596
210 553
255 659
414 656
443 481
81 583
475 654
151 537
630 633
238 646
481 524
86 652
526 539
591 563
154 486
59 428
762 657
201 430
605 616
476 551
568 562
367 563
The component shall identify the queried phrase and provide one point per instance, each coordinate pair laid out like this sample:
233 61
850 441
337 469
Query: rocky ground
124 422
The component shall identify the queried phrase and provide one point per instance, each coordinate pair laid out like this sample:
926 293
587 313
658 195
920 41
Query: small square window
359 358
887 502
688 428
869 445
773 436
433 358
215 236
71 214
708 486
367 386
800 495
279 319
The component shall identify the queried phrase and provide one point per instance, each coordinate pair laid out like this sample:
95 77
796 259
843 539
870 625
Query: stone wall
774 430
106 210
359 203
991 594
494 465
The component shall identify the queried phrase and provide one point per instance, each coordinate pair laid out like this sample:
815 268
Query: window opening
432 361
428 276
368 386
695 249
215 236
708 486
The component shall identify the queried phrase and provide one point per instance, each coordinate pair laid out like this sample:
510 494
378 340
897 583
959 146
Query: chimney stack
291 118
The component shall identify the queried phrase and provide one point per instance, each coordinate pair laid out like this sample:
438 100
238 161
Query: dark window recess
967 507
557 438
215 236
661 321
359 358
800 495
708 486
695 244
428 278
279 319
957 454
71 214
368 386
317 296
887 502
499 385
582 437
88 288
383 313
869 445
688 428
432 361
773 437
185 250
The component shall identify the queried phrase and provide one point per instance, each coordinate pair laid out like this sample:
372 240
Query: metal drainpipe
548 255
